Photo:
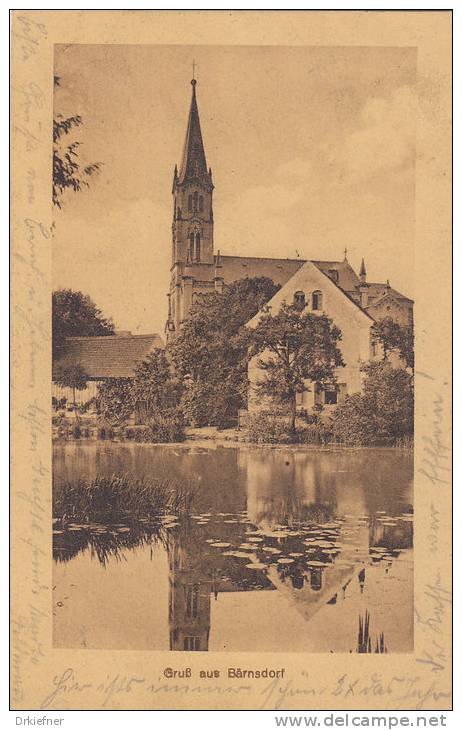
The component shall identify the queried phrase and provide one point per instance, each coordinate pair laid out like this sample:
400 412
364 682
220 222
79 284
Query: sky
312 151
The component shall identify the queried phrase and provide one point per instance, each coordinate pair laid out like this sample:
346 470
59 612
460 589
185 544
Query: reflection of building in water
196 571
189 599
397 536
286 487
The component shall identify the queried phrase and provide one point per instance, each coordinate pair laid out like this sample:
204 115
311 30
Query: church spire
193 164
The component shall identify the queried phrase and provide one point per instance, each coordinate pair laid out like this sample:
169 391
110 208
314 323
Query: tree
74 314
382 413
394 338
67 171
211 350
73 376
298 348
154 383
115 401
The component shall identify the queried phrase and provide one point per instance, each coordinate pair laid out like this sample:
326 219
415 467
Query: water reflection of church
189 599
281 489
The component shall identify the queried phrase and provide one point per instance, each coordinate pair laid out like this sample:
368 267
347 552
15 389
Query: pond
287 549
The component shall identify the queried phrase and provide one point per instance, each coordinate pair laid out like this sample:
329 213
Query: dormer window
316 300
299 300
333 274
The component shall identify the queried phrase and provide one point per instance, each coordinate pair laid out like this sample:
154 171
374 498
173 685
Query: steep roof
241 267
114 356
341 273
193 164
298 280
281 270
378 290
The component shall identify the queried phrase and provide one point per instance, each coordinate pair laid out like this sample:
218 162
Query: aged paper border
46 678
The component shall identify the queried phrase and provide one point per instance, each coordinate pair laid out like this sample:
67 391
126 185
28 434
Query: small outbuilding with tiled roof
102 358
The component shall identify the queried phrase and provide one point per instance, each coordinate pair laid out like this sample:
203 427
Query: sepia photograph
233 357
231 385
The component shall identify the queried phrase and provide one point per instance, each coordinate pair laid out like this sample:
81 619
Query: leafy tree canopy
382 413
212 349
74 314
68 172
393 337
115 402
154 383
297 347
73 376
153 388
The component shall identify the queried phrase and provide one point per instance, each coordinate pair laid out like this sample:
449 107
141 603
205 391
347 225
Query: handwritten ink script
30 346
415 692
433 606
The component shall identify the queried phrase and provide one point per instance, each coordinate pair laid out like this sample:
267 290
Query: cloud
384 140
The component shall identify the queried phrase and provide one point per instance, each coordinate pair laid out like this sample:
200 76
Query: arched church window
201 203
198 246
195 196
190 203
191 246
316 300
299 300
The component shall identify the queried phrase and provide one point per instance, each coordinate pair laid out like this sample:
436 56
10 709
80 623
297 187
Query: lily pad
256 566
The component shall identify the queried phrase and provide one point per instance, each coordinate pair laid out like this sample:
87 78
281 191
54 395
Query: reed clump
120 499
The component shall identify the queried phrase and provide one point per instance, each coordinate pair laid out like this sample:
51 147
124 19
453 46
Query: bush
353 423
194 404
267 428
114 401
383 414
314 433
165 427
206 404
58 403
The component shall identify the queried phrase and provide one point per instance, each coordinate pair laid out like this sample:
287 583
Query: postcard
231 373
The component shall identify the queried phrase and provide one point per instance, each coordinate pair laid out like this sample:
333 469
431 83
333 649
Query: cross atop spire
193 164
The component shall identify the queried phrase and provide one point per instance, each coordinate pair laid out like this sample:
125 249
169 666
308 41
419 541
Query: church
197 269
330 287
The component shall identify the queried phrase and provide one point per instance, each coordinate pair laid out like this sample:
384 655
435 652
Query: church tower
193 271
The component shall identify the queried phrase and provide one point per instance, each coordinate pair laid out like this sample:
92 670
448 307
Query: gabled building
314 290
